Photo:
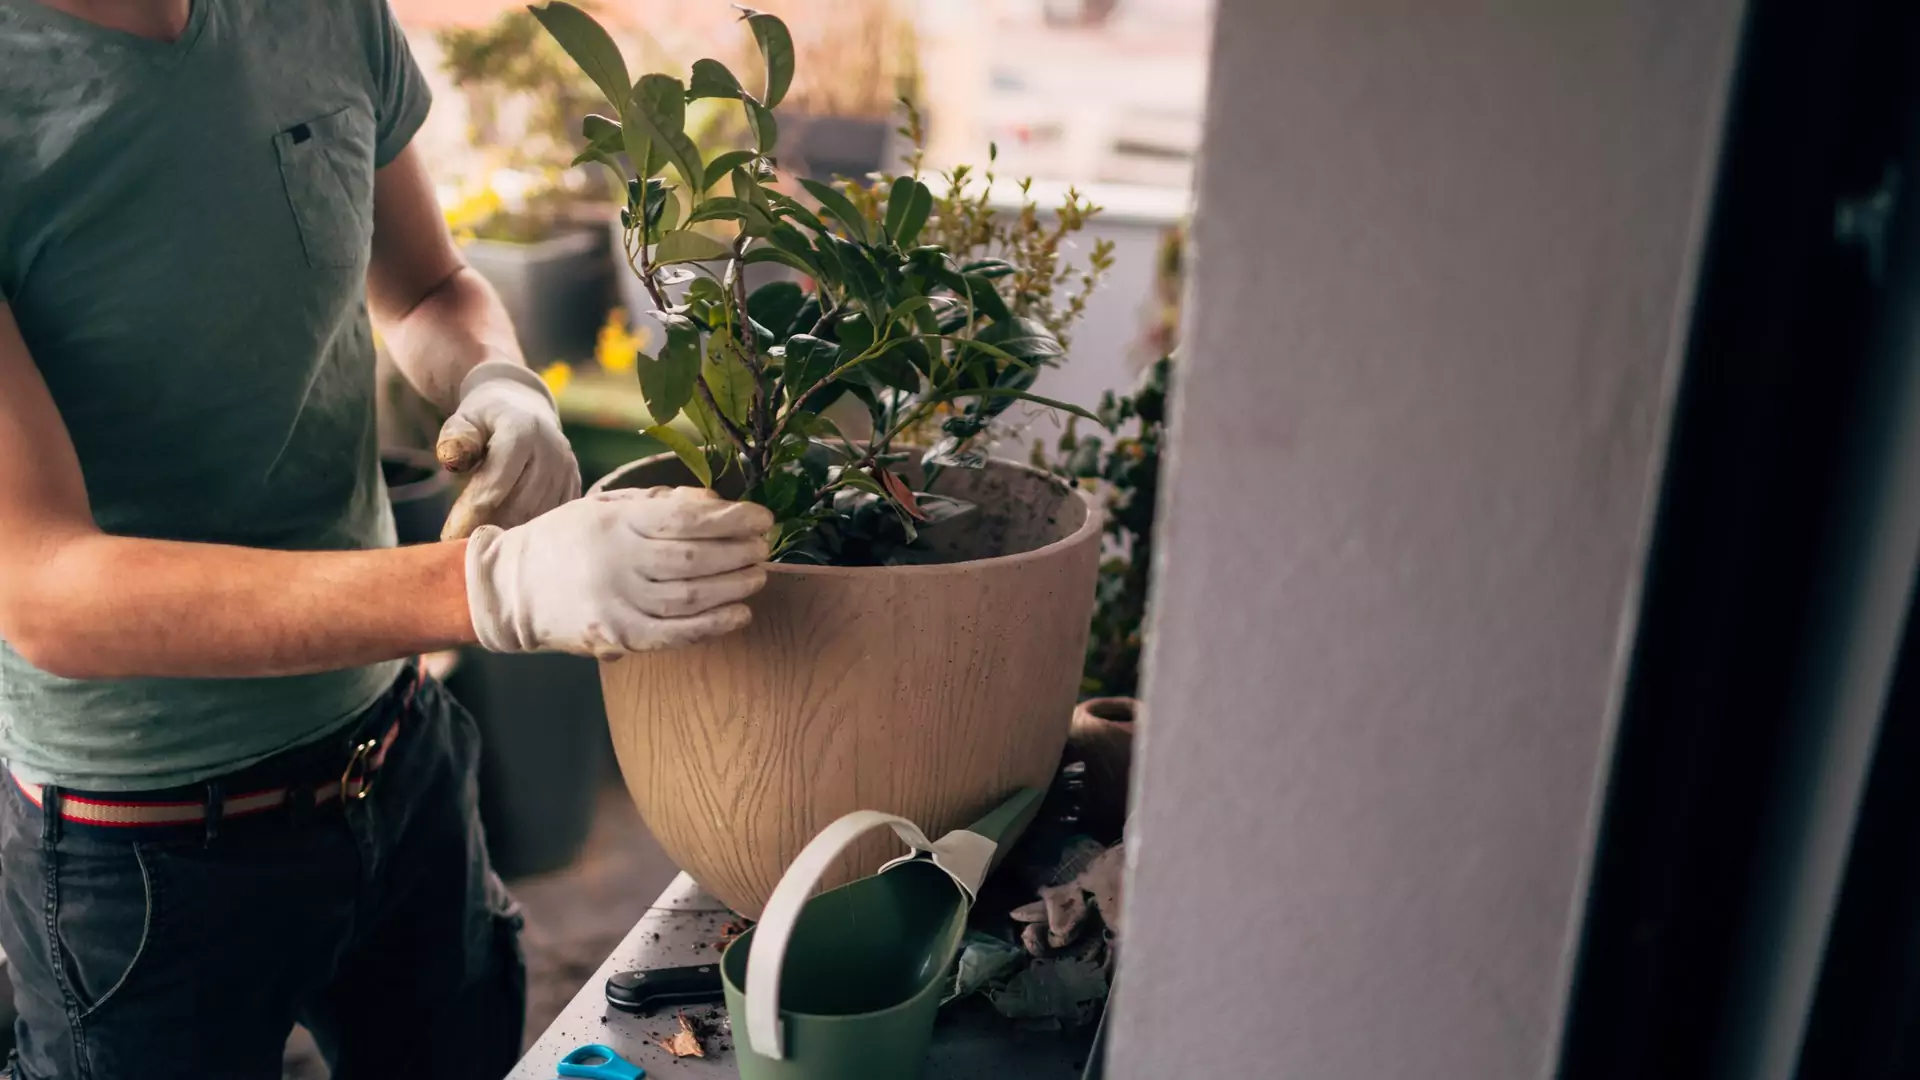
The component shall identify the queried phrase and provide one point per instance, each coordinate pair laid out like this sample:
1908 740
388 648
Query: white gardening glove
618 572
506 434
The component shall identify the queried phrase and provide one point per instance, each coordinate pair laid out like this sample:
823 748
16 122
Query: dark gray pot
545 754
544 748
557 290
421 493
830 146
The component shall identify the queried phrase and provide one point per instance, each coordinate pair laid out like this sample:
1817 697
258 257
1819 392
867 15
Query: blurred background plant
1045 283
524 98
1126 470
522 93
855 58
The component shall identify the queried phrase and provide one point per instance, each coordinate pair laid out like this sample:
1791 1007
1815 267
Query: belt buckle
361 760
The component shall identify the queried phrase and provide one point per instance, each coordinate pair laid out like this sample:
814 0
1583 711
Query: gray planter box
830 146
557 291
545 754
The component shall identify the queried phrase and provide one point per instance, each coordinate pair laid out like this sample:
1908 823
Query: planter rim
1088 530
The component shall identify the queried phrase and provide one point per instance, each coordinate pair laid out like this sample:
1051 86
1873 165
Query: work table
683 927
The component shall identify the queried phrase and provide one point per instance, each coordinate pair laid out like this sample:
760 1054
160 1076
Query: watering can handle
775 929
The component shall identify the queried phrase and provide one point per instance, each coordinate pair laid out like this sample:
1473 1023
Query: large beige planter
931 692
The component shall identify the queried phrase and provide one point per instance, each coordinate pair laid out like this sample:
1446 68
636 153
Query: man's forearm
457 325
111 607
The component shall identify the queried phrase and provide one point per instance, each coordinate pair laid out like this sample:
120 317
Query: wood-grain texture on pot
930 692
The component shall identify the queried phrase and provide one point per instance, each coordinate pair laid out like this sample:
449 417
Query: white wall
1441 252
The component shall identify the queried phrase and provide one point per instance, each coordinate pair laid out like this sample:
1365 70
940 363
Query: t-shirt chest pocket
327 165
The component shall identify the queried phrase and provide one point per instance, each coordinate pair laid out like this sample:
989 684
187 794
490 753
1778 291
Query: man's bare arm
80 603
440 319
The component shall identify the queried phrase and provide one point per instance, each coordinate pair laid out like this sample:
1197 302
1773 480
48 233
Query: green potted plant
1125 468
528 220
917 646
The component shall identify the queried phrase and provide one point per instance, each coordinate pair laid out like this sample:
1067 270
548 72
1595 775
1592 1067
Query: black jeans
188 952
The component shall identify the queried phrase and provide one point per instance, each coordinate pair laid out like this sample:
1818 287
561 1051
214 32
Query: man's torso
184 232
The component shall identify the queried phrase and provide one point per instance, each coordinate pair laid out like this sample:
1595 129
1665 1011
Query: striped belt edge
131 812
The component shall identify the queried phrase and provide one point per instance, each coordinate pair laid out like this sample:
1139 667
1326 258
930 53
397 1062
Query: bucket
849 982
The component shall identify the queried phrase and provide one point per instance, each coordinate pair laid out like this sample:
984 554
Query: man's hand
618 572
449 335
506 436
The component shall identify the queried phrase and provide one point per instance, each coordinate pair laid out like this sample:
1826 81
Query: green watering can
847 984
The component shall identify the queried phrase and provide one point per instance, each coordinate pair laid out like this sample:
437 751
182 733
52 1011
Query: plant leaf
662 209
774 304
711 79
985 299
687 246
766 129
788 207
683 448
915 218
766 253
727 208
809 360
603 142
666 383
894 368
860 274
722 164
704 421
898 197
776 48
731 381
910 307
899 492
794 242
1025 338
989 268
591 47
839 207
1004 392
660 109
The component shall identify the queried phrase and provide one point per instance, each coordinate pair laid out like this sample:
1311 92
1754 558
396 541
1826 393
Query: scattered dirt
683 1043
733 929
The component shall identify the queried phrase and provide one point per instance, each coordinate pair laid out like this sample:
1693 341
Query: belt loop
216 803
50 797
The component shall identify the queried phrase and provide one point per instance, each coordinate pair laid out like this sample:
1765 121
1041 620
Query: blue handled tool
597 1062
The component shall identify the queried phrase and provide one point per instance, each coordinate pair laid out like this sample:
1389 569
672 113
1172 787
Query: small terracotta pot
1101 736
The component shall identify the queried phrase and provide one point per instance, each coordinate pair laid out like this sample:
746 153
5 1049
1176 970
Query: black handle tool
644 991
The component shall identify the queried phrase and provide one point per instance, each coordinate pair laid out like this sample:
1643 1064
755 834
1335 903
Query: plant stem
638 262
762 411
747 461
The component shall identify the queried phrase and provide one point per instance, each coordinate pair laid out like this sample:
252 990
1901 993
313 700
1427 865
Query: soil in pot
928 691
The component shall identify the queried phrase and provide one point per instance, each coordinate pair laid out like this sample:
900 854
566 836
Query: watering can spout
1009 819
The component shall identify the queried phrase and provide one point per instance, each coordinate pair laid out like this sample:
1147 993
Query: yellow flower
472 211
618 348
557 376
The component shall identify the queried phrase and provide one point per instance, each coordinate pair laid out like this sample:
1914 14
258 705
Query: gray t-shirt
184 235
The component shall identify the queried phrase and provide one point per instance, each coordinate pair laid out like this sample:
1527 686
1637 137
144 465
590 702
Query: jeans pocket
327 166
104 915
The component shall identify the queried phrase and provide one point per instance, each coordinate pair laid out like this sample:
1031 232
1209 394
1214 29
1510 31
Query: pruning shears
596 1061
